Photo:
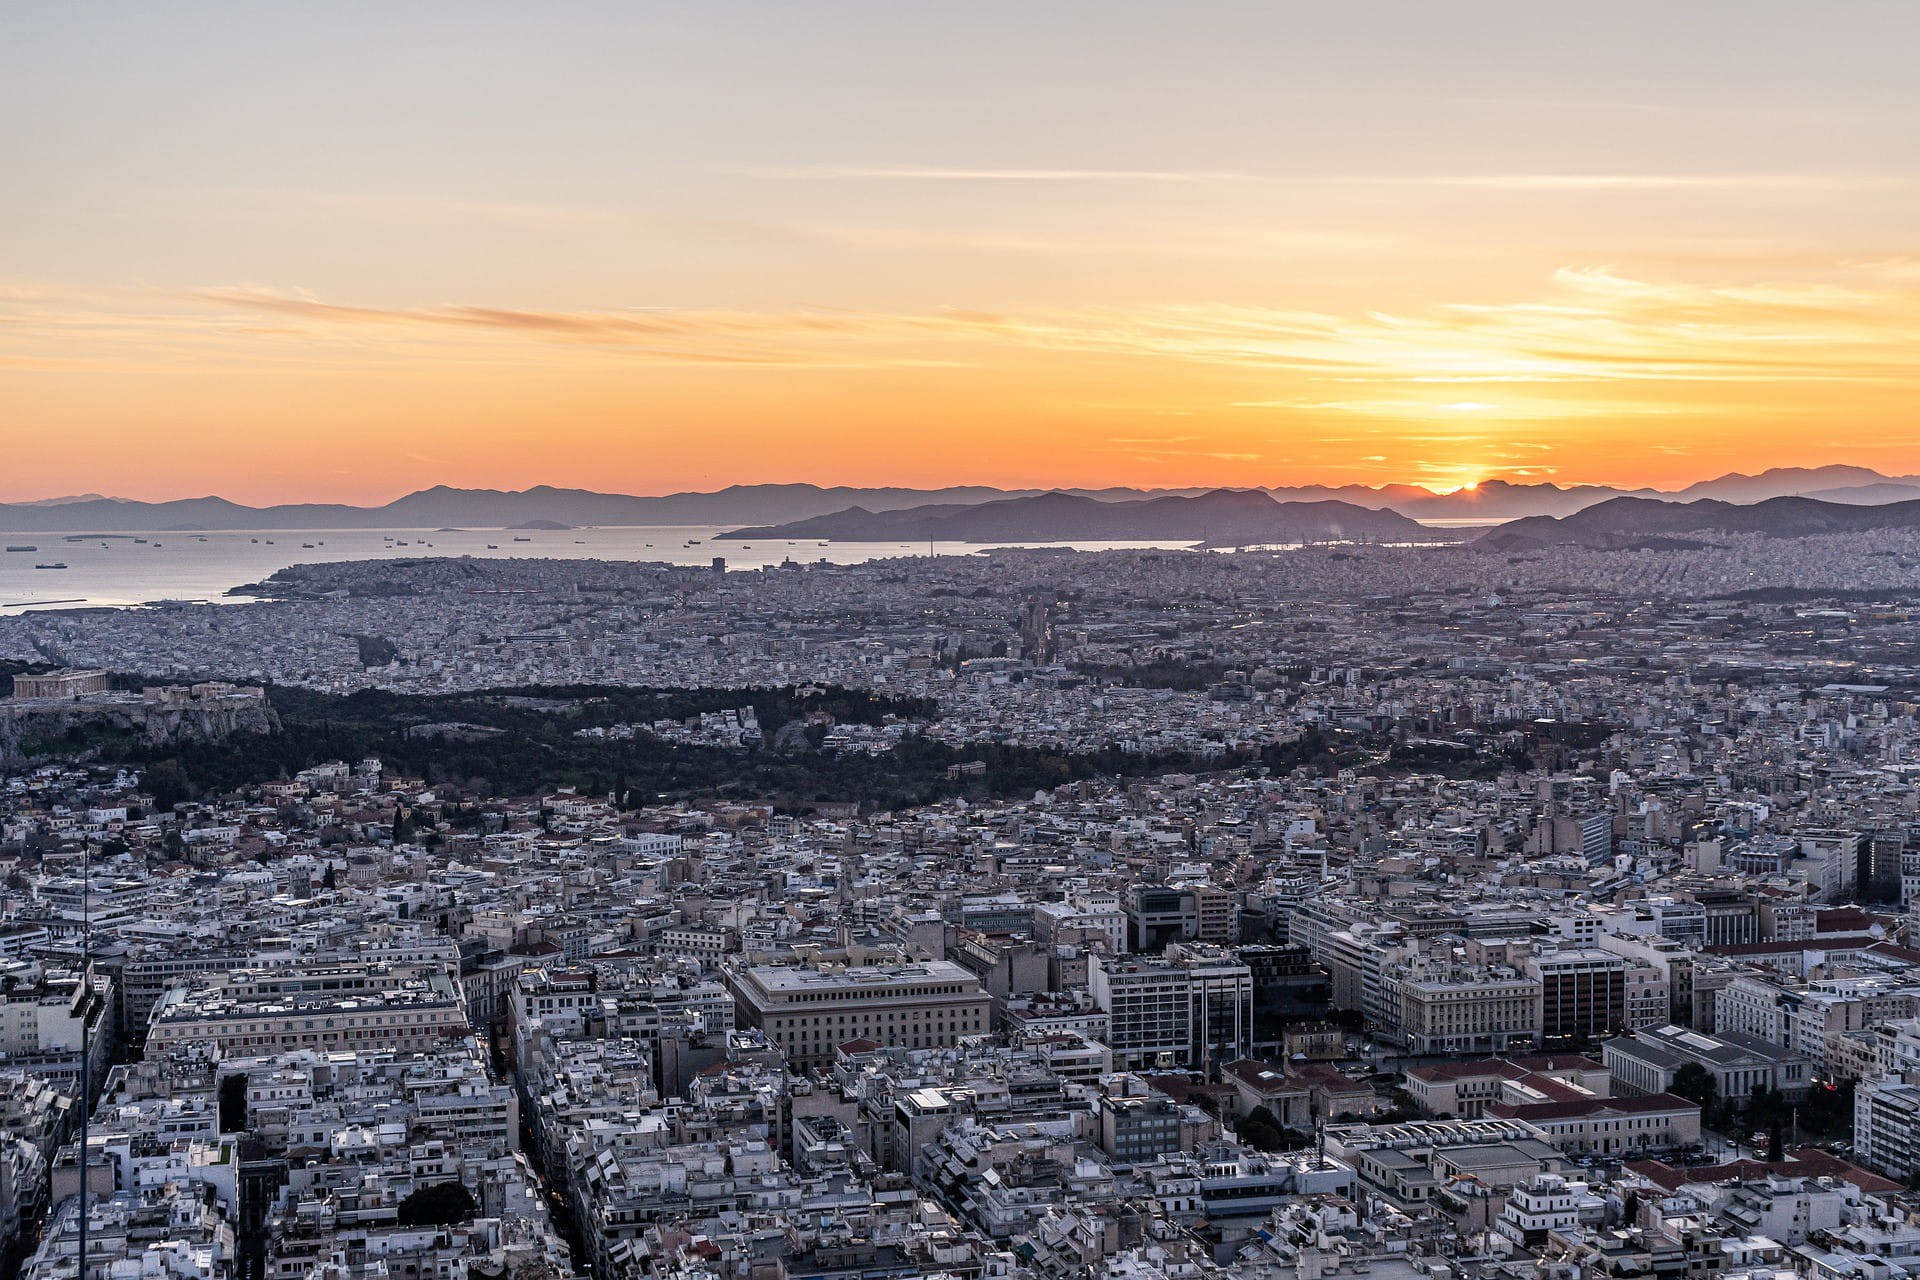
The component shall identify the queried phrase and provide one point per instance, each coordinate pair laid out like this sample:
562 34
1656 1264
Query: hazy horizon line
1507 479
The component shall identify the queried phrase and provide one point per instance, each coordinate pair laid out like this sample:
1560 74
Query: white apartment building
1546 1204
1649 996
1751 1004
1178 1010
651 844
1886 1126
557 998
254 1012
700 941
42 1013
1806 1017
1083 917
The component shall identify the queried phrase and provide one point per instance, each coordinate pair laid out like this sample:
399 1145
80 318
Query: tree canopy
438 1204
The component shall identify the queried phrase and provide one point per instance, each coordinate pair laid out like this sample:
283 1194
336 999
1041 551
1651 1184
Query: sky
289 252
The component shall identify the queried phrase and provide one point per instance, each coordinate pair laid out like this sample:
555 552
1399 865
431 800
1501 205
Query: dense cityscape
1431 912
1081 640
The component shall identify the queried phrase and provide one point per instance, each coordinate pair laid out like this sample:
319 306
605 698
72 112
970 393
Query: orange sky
285 256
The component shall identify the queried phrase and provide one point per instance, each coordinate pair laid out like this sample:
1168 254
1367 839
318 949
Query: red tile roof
1591 1107
1506 1068
1440 1072
1326 1078
1269 1077
1803 1162
1561 1062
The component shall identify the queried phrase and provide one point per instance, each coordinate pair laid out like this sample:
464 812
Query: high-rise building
1880 873
1190 1006
1886 1126
1583 993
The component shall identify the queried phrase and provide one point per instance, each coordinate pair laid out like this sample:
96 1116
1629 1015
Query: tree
233 1104
168 783
1260 1129
1776 1146
328 880
1828 1111
438 1204
1696 1084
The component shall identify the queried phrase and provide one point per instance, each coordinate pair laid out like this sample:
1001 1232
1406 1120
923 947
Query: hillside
1621 522
769 505
1222 518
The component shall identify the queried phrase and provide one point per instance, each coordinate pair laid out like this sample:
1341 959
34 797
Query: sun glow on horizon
1684 380
845 265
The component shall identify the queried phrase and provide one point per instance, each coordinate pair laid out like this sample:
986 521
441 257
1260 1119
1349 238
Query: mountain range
1629 522
1220 518
773 504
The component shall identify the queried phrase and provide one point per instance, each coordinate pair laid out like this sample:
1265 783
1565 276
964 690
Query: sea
126 570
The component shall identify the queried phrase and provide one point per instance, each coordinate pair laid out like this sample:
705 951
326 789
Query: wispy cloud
441 209
611 325
1587 182
1174 452
947 173
1538 356
1569 182
666 335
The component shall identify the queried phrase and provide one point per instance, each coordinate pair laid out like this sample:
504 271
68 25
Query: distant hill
444 507
1782 482
1492 500
1495 500
1869 494
1221 518
1625 522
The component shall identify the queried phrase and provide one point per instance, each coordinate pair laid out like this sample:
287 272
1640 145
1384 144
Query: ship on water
24 548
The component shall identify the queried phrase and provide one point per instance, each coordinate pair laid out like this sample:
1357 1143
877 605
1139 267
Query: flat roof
796 978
